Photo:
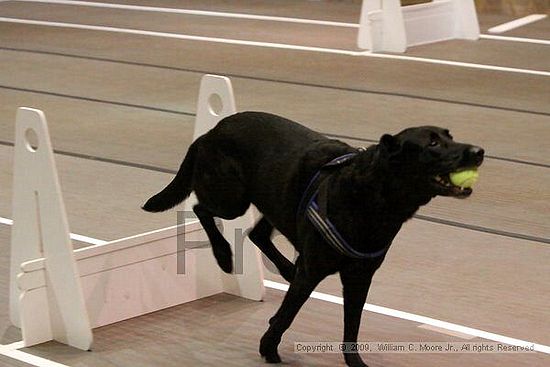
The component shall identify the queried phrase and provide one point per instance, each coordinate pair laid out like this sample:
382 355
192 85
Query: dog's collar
317 215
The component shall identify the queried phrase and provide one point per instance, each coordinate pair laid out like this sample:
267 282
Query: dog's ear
390 143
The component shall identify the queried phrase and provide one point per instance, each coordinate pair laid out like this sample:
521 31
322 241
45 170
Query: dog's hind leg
220 246
298 293
261 236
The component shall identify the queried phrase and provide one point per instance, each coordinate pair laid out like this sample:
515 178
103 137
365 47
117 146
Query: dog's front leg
298 293
356 283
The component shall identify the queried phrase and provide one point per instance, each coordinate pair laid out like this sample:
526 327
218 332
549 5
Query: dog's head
426 155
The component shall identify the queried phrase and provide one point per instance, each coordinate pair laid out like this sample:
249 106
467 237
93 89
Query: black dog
339 206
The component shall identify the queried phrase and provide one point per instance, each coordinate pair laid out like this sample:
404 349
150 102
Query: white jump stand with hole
385 25
60 294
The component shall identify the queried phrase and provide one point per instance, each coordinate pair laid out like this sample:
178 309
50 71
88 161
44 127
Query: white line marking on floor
516 23
248 16
411 317
446 332
275 45
86 239
76 237
16 345
29 358
180 36
11 351
515 39
195 12
420 319
459 64
6 221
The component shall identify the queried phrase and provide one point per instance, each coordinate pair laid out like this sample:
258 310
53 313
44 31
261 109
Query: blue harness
310 207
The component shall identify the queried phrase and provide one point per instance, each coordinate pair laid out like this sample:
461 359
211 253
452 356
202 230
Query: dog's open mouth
447 188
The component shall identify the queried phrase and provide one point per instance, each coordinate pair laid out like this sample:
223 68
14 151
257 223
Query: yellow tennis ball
465 178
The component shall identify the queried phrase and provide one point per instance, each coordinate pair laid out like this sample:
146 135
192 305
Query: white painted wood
135 275
207 116
466 22
145 285
41 230
430 22
365 38
392 27
394 37
127 246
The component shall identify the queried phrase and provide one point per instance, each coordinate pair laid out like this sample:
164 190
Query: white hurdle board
385 25
60 294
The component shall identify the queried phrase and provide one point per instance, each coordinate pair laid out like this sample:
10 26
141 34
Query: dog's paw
270 356
224 257
225 263
354 360
268 350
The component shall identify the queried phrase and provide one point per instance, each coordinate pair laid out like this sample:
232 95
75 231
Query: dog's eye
434 143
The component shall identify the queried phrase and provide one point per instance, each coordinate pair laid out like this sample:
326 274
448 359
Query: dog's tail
179 189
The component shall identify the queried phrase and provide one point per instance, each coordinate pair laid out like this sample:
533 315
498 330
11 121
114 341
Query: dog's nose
477 154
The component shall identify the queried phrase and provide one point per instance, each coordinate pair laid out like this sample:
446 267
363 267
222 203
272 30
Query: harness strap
312 187
314 205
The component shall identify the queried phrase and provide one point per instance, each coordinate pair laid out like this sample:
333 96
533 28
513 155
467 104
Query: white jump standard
60 294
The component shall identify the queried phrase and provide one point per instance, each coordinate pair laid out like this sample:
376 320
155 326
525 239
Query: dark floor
121 110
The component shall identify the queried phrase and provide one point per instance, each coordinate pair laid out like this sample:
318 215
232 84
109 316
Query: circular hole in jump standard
31 139
215 104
